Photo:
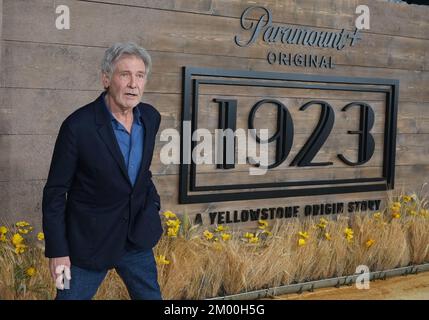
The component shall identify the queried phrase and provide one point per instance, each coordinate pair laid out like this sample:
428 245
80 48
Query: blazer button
126 218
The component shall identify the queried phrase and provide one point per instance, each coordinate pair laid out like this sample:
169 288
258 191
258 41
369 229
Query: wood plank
18 149
201 6
227 177
410 149
50 107
29 65
410 20
407 177
1 36
25 157
188 32
22 199
303 121
270 92
49 73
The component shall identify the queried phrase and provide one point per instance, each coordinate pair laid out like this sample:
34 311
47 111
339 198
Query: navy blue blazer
90 208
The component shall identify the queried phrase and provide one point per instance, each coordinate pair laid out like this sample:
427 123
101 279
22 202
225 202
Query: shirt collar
136 112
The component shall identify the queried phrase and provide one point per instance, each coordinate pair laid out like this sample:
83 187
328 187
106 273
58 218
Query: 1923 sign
232 95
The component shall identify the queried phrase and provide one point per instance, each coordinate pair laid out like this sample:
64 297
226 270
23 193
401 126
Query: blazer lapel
106 133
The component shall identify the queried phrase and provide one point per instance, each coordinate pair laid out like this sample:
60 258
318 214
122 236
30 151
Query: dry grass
199 268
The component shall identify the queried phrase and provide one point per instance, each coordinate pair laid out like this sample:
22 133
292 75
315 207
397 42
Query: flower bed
196 263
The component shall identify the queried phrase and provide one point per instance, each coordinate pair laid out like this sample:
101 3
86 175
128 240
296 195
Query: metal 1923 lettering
349 177
285 131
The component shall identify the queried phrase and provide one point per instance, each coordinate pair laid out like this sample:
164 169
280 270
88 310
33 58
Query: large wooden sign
317 145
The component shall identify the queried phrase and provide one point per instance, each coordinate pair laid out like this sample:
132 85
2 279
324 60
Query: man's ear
105 80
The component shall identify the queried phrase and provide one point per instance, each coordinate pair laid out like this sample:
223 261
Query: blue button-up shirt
131 145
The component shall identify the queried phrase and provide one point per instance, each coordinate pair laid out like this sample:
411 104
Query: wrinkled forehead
129 62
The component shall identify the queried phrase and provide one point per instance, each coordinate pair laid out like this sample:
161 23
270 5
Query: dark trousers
137 269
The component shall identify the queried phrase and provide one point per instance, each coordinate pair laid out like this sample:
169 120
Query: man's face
126 85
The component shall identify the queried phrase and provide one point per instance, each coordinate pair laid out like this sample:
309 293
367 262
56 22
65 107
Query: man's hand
60 270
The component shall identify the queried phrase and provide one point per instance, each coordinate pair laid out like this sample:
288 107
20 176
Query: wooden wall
47 73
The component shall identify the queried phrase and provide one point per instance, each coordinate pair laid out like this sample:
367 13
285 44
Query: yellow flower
208 235
262 224
396 215
225 236
172 232
369 243
395 206
220 228
412 212
323 220
3 230
30 271
22 224
348 232
2 237
17 239
169 215
406 199
254 240
327 236
301 242
161 260
41 236
322 223
173 223
377 215
20 248
303 234
248 235
173 227
23 231
396 211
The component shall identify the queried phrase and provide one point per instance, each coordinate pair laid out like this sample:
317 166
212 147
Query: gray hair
118 49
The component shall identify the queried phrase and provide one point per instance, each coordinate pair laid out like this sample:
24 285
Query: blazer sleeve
60 179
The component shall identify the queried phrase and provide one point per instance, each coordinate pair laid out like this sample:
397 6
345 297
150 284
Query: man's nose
132 82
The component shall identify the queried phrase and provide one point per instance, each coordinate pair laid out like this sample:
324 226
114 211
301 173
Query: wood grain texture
409 20
179 31
74 70
45 74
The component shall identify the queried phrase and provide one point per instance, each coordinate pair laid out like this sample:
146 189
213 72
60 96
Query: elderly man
100 206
